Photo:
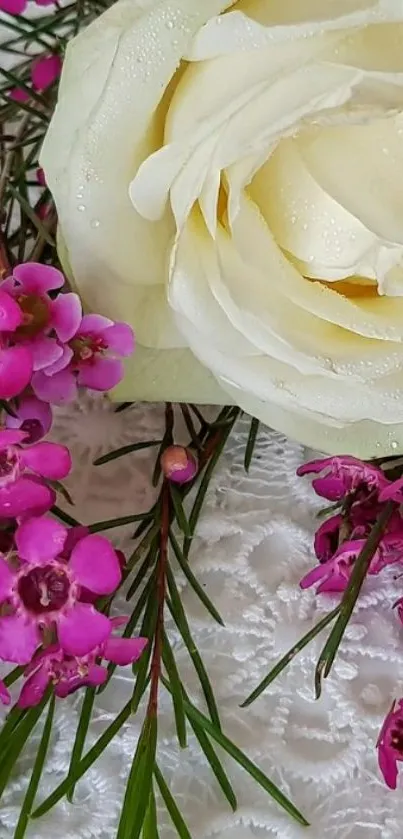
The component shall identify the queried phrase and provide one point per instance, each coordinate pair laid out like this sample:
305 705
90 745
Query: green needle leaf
150 826
109 524
176 690
193 581
36 774
18 739
179 511
139 785
287 658
81 733
141 573
65 517
13 676
147 630
194 714
351 595
250 446
178 613
89 758
133 447
171 805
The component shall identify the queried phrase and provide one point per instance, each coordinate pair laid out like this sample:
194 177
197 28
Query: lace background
253 544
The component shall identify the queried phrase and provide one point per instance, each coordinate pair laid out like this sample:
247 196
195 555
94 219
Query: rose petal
124 650
49 460
40 539
101 374
37 278
95 565
58 389
19 638
66 313
82 629
16 365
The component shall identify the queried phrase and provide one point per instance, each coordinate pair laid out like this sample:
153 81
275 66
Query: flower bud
178 464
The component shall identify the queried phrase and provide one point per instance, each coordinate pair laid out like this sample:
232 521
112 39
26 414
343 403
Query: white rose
229 179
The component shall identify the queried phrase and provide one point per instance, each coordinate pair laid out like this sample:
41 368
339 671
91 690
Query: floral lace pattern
254 543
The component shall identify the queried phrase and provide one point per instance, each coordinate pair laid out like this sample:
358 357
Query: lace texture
253 545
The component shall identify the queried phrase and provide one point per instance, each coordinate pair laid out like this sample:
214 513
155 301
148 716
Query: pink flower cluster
359 491
48 346
17 7
49 579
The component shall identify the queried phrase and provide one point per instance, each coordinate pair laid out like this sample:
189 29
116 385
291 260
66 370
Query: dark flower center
397 736
33 428
44 589
9 465
85 347
36 315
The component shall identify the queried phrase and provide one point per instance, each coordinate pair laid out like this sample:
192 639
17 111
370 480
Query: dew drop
81 208
94 223
394 444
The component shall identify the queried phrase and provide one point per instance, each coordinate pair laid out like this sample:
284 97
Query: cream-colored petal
109 118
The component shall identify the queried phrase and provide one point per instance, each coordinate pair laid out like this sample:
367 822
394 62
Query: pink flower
69 673
343 475
32 416
390 744
334 574
41 316
327 538
89 360
45 70
20 491
15 362
13 7
178 464
42 590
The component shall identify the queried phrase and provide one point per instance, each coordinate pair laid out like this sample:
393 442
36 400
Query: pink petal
331 488
10 313
335 582
82 629
49 460
95 565
394 490
96 675
66 314
57 389
74 535
13 7
19 639
45 70
94 324
18 94
45 351
6 580
101 374
33 417
34 688
40 175
388 766
315 466
38 278
45 2
62 362
40 539
5 697
9 437
120 339
124 650
314 576
25 495
16 367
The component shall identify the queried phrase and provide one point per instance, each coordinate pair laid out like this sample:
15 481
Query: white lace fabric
254 543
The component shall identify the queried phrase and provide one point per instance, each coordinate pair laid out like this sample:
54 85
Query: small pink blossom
343 475
334 574
45 70
16 363
41 590
45 323
32 416
90 360
22 492
178 464
17 7
69 673
390 744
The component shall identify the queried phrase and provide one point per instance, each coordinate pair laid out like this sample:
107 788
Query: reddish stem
161 588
